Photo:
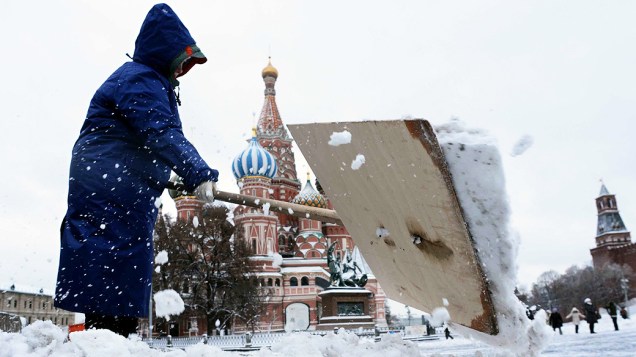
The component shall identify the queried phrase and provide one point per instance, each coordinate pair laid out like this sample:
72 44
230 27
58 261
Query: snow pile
524 143
104 343
339 138
475 165
168 302
42 339
341 344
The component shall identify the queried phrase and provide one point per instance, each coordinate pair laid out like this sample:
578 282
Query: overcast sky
560 72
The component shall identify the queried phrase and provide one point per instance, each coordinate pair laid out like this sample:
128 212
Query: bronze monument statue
346 273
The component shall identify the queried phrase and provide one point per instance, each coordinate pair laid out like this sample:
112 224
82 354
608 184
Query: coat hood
164 43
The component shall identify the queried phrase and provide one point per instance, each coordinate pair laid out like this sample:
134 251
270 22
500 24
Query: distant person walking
576 317
448 334
556 320
591 313
612 310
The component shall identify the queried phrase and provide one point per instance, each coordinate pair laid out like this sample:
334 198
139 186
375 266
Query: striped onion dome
310 197
254 161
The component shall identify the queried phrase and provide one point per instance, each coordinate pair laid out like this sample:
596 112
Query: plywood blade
403 188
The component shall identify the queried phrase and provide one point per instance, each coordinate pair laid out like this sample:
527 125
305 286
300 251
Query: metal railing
257 341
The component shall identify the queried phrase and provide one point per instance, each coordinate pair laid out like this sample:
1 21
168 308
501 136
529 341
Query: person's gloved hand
205 191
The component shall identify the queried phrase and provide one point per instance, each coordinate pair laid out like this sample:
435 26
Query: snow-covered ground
43 339
606 342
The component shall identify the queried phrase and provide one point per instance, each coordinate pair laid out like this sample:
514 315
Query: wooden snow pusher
292 209
402 211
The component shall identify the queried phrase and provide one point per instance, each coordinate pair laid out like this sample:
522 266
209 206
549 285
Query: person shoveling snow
130 141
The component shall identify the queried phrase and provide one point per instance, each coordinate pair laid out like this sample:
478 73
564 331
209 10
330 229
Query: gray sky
561 72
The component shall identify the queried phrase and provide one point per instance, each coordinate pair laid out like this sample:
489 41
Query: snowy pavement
606 342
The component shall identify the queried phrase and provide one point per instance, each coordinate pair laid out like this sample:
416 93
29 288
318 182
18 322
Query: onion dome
178 193
254 161
310 197
270 71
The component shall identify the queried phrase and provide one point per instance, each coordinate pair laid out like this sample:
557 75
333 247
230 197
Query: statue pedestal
346 307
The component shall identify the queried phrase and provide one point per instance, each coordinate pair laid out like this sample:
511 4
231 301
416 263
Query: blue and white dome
254 161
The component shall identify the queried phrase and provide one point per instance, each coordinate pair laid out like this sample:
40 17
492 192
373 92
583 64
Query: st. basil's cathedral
267 169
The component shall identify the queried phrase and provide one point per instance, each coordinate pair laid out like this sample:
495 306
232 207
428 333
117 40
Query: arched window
261 281
293 281
253 246
269 282
277 282
304 281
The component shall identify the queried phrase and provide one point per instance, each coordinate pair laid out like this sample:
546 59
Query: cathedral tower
253 169
273 136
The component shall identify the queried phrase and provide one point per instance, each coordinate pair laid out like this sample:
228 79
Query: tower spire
270 122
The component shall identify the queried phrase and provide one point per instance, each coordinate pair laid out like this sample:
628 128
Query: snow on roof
25 289
344 290
303 261
261 257
349 317
267 274
308 269
312 233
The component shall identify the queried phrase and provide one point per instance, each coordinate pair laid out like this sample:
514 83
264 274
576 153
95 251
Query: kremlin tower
613 240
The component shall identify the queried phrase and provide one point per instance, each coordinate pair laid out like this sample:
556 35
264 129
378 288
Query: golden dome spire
270 71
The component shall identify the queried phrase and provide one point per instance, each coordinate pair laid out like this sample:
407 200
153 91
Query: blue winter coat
130 141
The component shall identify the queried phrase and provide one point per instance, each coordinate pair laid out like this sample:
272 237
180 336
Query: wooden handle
292 209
